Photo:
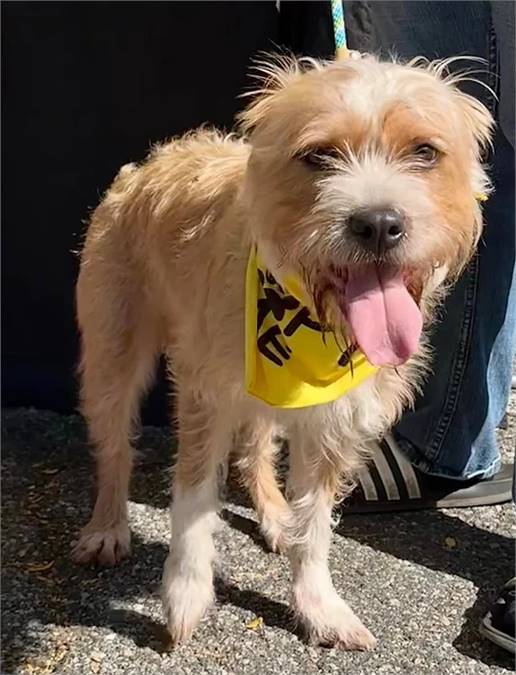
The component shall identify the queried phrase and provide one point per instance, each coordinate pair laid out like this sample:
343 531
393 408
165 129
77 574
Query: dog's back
156 224
169 195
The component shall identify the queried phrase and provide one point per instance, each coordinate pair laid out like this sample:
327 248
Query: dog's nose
378 230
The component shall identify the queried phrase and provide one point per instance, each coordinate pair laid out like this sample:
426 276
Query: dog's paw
332 624
103 546
186 595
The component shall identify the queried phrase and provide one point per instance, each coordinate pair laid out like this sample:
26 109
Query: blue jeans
452 430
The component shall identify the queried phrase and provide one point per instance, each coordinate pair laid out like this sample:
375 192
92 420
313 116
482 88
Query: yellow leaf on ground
255 624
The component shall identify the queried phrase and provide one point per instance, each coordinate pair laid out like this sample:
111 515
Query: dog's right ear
273 72
255 112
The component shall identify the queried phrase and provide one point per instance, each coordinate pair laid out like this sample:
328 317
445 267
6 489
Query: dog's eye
319 159
426 153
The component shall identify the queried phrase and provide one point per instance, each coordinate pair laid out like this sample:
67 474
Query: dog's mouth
380 304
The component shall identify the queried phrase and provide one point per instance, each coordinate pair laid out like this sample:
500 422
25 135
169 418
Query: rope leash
339 30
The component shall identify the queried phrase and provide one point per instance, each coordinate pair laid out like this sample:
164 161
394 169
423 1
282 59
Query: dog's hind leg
204 442
119 349
257 448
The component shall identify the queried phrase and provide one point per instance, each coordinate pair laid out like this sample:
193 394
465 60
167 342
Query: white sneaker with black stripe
391 483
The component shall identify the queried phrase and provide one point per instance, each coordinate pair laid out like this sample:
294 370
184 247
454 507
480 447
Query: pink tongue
385 320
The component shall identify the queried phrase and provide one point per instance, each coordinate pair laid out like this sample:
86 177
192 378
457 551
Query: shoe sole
494 635
448 502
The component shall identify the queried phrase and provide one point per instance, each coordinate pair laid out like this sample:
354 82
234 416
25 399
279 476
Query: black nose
377 230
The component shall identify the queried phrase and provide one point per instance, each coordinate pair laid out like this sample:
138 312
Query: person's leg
451 431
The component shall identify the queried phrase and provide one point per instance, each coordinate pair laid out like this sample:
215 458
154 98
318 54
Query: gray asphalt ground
420 581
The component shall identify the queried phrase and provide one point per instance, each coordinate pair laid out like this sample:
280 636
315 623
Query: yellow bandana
289 361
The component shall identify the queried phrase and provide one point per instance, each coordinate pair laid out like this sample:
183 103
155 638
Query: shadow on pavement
482 557
46 498
47 481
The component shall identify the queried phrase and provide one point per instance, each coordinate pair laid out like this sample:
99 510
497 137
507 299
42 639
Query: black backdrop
86 88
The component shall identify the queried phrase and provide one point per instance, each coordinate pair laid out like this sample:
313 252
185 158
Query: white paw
187 593
329 621
103 546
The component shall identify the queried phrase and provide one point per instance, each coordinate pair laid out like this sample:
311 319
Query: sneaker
498 623
391 483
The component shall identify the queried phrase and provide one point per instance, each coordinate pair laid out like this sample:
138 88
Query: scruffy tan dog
359 176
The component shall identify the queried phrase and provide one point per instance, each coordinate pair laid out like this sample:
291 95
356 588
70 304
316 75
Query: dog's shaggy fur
163 271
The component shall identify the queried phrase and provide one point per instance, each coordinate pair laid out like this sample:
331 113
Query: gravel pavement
420 581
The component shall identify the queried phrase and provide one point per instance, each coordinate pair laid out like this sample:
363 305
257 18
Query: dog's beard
375 306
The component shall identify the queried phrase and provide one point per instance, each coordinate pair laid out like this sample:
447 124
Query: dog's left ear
478 120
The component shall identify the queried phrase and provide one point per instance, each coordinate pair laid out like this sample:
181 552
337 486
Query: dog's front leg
204 440
313 482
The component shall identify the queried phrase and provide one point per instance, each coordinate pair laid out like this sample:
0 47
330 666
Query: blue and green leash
339 30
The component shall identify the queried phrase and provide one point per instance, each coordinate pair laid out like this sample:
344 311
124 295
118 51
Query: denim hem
418 460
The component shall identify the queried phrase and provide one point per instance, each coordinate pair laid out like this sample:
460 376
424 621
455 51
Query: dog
359 177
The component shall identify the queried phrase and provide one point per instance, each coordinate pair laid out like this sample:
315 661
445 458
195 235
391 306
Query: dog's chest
363 413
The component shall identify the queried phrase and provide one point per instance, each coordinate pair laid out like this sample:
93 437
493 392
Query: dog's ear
273 73
476 117
478 120
255 112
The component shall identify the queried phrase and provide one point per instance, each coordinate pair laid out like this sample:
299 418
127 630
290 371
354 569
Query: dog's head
364 179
